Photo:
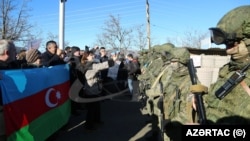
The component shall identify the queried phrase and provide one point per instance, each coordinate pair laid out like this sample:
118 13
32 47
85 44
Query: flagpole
61 23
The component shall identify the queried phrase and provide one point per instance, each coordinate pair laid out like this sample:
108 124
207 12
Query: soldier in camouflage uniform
151 65
233 30
167 84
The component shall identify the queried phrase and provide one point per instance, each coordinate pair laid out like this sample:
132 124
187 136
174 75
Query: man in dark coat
102 58
52 54
132 68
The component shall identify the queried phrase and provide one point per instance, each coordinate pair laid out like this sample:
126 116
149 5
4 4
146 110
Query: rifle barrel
198 96
192 72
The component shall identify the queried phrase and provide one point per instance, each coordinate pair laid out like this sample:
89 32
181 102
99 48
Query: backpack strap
190 115
159 77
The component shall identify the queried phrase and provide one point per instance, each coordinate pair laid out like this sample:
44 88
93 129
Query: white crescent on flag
47 100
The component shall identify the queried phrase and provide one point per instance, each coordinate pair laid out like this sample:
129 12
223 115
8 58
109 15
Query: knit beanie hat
32 55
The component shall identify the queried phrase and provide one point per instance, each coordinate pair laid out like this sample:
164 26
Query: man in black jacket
102 58
132 68
52 54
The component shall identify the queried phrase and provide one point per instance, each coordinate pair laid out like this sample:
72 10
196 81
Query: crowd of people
92 67
169 90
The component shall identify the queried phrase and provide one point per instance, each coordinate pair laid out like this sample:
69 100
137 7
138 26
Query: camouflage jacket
234 108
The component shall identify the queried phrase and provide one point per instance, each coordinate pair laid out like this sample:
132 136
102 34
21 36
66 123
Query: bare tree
191 38
140 39
51 36
114 35
14 23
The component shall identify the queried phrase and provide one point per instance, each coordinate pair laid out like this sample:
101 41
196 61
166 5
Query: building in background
208 63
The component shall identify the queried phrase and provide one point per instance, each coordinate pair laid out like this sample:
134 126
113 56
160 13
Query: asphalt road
122 119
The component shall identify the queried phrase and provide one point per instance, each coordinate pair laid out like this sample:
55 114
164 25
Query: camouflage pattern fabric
166 84
233 108
177 100
236 21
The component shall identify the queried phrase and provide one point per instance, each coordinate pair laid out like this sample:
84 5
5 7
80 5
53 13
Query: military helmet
180 54
234 25
164 47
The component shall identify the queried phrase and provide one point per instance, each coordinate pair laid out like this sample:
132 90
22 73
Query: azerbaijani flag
35 102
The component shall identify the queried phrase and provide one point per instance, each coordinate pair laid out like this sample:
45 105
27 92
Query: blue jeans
130 85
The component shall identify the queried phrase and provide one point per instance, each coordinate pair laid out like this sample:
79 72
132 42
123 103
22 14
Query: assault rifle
232 82
197 95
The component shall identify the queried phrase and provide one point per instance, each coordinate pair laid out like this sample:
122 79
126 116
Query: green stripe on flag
45 125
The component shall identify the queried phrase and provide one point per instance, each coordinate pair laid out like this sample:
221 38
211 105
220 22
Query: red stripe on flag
21 112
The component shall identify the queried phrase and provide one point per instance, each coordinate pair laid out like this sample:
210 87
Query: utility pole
61 23
148 24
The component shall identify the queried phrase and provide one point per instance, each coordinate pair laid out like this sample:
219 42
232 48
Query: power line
86 18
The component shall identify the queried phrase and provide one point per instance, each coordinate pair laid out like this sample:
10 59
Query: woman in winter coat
93 86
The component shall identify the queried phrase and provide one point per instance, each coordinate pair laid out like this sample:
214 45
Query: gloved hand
199 88
239 51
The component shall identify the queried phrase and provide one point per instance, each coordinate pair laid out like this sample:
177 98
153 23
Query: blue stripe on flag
22 83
